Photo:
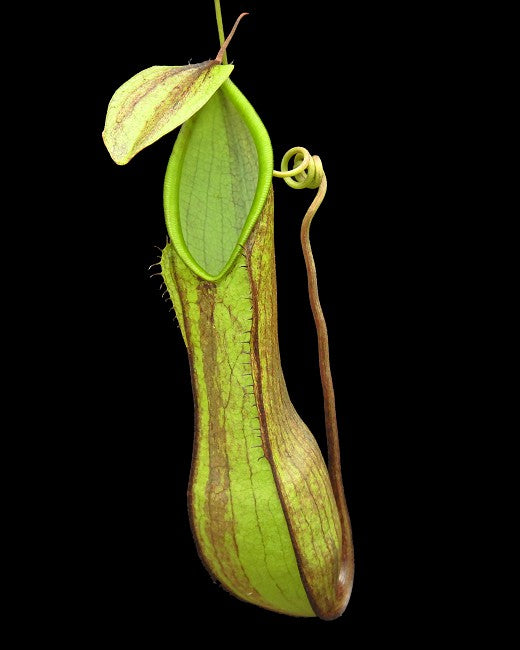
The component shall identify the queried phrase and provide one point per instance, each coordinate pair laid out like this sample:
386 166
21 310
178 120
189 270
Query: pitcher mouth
208 235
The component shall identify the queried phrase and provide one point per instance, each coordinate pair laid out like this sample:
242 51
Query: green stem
220 27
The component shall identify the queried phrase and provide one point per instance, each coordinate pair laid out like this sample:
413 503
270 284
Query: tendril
308 172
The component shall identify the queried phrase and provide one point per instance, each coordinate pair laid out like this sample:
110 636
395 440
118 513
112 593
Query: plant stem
220 28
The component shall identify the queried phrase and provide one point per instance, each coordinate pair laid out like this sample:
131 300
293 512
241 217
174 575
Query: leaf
156 101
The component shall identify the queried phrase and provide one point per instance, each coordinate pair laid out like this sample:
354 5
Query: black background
348 89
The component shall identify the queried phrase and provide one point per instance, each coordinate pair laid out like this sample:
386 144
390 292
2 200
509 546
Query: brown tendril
308 172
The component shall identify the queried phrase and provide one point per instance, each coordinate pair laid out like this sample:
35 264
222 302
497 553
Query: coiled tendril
308 172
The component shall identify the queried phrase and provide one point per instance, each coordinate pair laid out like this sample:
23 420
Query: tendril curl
307 170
